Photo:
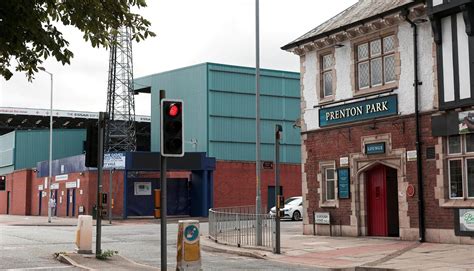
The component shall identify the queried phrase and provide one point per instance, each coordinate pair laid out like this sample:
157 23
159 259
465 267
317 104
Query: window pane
376 71
327 62
375 48
454 145
327 84
363 51
455 178
330 195
363 74
388 44
469 142
470 177
330 173
389 68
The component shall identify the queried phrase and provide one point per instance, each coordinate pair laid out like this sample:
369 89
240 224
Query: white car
293 208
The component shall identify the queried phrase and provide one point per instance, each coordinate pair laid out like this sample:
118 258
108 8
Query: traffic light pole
100 162
163 206
278 130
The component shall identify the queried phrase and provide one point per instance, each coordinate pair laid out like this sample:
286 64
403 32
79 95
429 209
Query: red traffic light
173 110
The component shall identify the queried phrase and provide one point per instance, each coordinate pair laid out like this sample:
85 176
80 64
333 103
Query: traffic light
172 128
3 183
92 145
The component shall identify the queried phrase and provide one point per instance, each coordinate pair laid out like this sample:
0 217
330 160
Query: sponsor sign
375 148
466 122
142 188
360 110
61 177
343 183
54 186
322 218
61 113
71 185
464 222
114 161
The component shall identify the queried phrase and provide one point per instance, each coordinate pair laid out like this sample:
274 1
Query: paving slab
363 253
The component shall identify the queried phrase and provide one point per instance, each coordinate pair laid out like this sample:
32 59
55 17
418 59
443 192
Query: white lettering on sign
61 177
71 185
357 110
114 161
322 218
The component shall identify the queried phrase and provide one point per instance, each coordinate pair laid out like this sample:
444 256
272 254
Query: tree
28 32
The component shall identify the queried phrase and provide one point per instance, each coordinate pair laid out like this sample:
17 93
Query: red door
377 202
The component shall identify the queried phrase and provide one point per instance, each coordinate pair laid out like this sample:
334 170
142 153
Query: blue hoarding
357 111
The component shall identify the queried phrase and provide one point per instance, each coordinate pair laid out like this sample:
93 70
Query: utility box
84 234
189 249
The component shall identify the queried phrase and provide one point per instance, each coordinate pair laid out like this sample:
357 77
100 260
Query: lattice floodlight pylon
120 129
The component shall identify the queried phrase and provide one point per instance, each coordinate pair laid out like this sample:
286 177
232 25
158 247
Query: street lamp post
50 144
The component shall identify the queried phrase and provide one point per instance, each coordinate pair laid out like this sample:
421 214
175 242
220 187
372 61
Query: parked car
293 208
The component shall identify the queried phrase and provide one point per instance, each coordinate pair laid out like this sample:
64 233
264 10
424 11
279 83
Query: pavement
364 253
138 243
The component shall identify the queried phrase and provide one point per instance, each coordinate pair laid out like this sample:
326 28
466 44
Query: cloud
188 32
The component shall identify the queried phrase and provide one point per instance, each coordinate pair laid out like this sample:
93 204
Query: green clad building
219 119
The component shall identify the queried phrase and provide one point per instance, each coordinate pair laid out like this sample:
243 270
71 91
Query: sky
188 32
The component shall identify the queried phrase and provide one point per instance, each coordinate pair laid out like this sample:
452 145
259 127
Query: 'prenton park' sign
361 110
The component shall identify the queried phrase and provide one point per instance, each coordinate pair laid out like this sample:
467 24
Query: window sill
376 89
456 203
328 204
326 100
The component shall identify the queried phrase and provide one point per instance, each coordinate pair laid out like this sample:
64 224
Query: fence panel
237 226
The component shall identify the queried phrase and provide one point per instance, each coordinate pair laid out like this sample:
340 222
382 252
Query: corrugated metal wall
188 84
220 109
7 153
232 113
33 146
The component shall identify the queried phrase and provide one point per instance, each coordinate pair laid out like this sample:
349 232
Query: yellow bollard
189 249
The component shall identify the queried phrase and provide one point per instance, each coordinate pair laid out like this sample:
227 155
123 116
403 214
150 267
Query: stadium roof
14 118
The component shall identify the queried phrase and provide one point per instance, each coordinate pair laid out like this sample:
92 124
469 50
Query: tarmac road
32 247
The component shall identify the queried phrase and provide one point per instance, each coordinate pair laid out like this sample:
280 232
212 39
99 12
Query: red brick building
367 98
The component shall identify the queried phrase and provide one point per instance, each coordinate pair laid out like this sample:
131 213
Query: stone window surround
319 79
441 189
323 203
357 41
360 164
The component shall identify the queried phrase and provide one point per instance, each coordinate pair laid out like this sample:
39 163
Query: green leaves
28 35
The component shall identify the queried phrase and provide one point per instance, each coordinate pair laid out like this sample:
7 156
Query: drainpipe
419 167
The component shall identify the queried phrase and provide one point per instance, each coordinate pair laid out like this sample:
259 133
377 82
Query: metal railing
237 226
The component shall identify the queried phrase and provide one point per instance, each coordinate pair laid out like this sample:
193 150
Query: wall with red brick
235 183
19 186
348 139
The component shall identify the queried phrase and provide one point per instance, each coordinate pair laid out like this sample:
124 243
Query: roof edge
292 45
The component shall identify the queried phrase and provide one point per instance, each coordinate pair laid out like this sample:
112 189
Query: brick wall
331 144
235 183
19 186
